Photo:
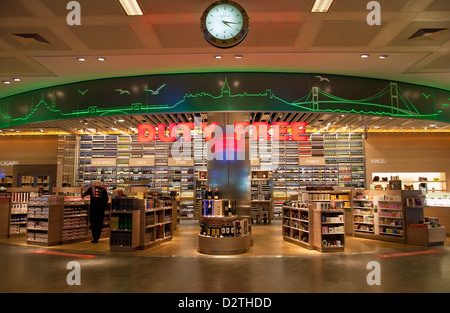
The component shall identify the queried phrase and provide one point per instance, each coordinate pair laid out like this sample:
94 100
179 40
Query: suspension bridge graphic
396 104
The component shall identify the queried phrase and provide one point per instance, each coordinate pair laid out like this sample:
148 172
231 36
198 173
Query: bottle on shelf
209 193
216 194
229 210
223 231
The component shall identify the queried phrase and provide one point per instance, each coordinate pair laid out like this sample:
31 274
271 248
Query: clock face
224 24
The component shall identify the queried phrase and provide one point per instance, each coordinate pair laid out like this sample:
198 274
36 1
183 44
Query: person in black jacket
97 207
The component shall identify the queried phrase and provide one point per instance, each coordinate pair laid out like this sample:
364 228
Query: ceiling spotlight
382 57
16 79
364 56
101 59
218 56
238 56
6 82
121 121
81 59
131 7
321 6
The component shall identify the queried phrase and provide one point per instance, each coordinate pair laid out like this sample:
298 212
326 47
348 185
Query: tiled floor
271 265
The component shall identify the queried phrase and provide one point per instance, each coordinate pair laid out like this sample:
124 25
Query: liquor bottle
213 230
227 230
216 194
223 230
229 210
238 230
231 230
208 229
209 193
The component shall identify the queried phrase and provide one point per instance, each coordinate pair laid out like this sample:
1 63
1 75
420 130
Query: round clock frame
232 36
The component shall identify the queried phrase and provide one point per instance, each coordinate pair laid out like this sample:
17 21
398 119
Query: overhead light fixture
101 59
121 121
81 59
16 79
321 6
131 7
364 56
238 56
6 82
218 56
383 57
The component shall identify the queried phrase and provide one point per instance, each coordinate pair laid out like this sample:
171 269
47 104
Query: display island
222 232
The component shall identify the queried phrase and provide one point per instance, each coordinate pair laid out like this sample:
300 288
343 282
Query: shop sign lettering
258 130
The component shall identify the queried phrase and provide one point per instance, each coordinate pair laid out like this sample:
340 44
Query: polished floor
270 266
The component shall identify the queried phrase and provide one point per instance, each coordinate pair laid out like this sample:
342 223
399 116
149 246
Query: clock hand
226 23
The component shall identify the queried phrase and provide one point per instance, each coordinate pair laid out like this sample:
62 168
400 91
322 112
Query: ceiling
41 49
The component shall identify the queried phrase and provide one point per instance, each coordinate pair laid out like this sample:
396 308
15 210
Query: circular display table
221 235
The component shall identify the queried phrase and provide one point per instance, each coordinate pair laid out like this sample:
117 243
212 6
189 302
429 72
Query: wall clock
224 24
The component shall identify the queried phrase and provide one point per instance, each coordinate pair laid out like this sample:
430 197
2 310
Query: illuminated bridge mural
207 92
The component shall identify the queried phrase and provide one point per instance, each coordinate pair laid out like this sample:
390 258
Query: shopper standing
97 207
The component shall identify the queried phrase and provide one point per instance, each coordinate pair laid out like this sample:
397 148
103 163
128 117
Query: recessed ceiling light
16 79
218 56
131 7
121 121
364 56
6 82
238 56
81 59
321 6
383 57
101 59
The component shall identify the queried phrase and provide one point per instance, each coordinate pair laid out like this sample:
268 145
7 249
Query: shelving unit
158 222
44 225
75 220
125 224
364 220
297 222
5 204
329 234
18 214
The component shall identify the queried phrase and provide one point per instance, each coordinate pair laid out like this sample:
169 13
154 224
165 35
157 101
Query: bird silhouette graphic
426 96
83 92
155 92
322 78
122 92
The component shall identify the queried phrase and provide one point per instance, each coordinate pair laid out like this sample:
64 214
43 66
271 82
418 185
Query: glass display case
439 199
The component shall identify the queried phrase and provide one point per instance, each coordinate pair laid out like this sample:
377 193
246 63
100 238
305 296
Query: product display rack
221 230
44 220
329 220
363 214
392 213
5 205
75 220
261 198
296 223
125 224
158 222
18 214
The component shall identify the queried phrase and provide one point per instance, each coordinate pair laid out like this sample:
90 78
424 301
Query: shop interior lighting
16 79
6 82
131 7
101 59
321 6
218 56
364 56
81 59
238 56
382 57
